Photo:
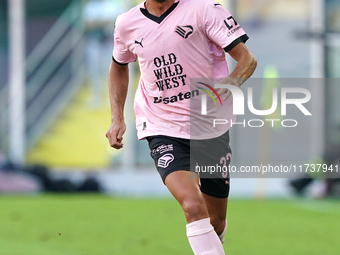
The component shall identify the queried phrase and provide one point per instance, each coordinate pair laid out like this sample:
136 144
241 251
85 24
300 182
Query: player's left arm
245 67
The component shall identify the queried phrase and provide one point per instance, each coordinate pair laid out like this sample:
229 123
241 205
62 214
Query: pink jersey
188 41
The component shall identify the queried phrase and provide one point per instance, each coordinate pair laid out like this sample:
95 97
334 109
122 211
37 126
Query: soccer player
174 41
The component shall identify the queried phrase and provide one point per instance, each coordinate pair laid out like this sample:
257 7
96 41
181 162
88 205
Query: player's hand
226 93
115 134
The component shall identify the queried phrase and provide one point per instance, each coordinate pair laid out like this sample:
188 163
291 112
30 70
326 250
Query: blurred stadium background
54 113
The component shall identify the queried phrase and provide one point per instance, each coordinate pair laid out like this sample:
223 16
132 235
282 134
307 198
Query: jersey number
224 161
230 26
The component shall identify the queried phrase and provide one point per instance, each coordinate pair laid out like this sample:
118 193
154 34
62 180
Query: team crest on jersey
165 160
184 31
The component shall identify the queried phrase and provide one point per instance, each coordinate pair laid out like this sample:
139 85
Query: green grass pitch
102 225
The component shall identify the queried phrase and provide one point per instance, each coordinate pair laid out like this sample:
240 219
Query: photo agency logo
204 97
239 100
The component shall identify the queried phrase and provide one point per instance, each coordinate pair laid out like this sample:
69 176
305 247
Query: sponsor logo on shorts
165 160
163 148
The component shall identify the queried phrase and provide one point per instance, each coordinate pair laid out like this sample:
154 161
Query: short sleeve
221 27
121 54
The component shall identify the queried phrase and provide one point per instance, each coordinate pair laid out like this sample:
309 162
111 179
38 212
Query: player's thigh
184 186
172 160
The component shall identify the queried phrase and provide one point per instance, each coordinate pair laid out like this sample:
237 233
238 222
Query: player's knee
194 209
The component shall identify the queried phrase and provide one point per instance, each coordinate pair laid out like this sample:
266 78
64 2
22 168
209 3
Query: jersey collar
162 17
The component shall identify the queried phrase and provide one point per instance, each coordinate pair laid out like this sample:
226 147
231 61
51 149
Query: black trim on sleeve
162 17
243 39
121 64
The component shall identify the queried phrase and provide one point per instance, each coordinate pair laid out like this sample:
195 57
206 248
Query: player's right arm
118 86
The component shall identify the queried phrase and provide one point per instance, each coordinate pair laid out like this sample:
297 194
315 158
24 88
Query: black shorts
209 158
